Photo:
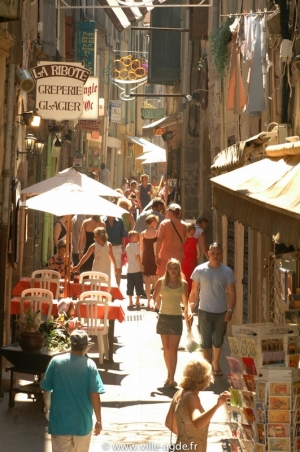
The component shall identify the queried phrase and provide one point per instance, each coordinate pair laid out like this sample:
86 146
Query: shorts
117 252
135 281
169 324
71 442
212 328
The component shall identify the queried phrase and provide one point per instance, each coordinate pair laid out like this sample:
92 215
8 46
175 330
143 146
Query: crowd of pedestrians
163 255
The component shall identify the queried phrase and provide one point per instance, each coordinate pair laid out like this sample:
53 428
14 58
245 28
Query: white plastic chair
36 297
95 279
45 273
44 278
93 325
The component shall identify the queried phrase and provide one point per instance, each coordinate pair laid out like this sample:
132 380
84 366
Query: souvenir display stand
264 411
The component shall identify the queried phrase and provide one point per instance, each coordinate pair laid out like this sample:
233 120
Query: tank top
101 258
171 300
144 197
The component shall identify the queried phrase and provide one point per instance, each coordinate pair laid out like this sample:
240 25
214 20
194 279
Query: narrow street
135 403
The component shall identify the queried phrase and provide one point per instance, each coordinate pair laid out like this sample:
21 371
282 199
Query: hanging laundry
256 95
236 98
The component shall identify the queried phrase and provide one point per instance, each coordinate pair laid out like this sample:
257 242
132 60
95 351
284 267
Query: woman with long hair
172 288
186 417
102 253
86 239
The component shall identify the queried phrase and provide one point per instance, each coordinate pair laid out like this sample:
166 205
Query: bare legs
170 345
148 281
118 276
212 356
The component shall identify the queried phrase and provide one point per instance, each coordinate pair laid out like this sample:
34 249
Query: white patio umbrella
70 199
70 174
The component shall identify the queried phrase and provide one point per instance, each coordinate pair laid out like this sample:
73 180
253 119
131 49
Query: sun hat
80 337
174 207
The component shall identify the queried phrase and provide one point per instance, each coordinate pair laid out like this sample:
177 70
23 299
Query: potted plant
219 40
56 334
30 338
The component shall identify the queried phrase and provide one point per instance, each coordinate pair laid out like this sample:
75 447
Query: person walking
116 235
59 231
76 224
86 239
170 238
173 291
148 239
158 206
201 226
214 280
145 189
102 253
72 387
191 254
104 175
186 417
134 269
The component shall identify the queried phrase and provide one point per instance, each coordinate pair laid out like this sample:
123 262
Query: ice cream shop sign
59 89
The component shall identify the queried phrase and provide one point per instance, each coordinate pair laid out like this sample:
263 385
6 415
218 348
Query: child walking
191 255
148 239
134 269
103 254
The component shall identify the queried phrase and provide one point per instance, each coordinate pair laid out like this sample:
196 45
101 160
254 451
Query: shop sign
152 113
59 89
115 111
90 99
86 44
89 126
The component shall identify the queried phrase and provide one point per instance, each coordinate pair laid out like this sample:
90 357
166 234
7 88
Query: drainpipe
5 268
47 216
185 73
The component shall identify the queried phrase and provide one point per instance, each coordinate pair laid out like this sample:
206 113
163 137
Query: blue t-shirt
213 283
71 379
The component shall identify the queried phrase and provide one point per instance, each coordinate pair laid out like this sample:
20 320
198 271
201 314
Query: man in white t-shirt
217 301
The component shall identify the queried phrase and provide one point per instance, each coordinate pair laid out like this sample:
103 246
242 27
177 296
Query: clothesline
250 12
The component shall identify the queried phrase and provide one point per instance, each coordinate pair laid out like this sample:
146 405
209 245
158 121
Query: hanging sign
89 126
59 89
86 45
91 99
152 113
115 111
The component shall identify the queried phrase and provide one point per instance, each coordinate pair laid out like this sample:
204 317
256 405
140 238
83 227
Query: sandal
217 373
172 384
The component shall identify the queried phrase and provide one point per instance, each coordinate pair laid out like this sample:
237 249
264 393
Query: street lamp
33 146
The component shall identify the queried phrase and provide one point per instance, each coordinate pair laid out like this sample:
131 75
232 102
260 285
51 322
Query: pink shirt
171 245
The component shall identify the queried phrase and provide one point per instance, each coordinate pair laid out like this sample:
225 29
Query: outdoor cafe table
75 289
33 363
115 312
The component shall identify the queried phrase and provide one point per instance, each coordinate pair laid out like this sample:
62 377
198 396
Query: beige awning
148 130
264 195
237 155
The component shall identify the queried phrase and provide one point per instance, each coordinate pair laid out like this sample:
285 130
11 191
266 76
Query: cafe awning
124 17
151 152
237 155
166 121
145 144
263 195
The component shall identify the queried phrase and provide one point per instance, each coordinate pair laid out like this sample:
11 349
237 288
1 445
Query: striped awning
124 17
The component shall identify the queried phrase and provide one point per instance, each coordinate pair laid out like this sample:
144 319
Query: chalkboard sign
86 44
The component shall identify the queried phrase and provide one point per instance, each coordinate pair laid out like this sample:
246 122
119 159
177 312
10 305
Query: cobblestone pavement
135 403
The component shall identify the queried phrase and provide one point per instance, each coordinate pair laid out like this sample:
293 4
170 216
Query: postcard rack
264 411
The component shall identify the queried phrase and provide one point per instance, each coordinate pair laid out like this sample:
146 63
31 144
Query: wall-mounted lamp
33 146
27 118
168 135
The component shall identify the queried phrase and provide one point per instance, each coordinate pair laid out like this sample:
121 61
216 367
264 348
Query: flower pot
31 341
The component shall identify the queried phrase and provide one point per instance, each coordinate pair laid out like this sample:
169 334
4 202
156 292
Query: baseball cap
174 207
80 337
